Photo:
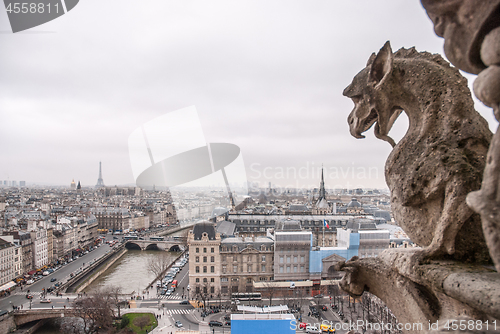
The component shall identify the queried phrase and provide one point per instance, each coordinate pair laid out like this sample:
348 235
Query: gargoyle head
370 91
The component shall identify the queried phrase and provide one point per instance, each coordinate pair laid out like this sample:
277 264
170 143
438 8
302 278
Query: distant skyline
266 76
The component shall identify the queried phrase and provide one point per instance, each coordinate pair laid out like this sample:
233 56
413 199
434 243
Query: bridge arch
132 245
152 247
175 248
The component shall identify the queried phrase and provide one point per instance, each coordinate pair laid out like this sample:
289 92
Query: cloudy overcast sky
264 75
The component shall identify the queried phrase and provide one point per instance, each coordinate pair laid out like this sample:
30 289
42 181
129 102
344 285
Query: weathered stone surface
441 157
471 32
463 24
490 49
432 293
487 88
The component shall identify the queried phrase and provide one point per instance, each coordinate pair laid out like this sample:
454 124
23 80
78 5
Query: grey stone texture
447 154
441 157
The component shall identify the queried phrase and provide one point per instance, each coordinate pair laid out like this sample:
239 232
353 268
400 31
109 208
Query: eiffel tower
100 182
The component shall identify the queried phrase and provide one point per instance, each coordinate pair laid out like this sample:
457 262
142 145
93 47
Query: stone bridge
22 317
169 244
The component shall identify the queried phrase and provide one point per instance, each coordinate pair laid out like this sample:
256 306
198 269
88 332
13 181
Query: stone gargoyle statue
441 158
471 32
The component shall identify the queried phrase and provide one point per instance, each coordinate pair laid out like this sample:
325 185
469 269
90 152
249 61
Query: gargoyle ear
382 64
370 60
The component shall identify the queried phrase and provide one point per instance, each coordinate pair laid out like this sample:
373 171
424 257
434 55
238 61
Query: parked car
184 302
45 301
214 323
53 279
227 317
178 324
227 323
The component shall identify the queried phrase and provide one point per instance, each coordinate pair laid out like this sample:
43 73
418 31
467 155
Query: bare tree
158 264
95 311
270 290
202 293
114 293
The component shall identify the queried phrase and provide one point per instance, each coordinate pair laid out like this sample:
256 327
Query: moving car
326 328
53 279
312 330
178 324
45 301
28 296
302 325
184 302
214 323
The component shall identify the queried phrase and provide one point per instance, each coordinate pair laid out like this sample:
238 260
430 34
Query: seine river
130 273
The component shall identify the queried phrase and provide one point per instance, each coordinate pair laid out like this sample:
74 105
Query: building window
197 259
205 290
204 259
295 259
204 250
249 268
224 268
212 280
288 269
294 269
197 250
212 289
212 250
223 289
212 269
205 280
263 268
224 279
302 258
281 269
197 280
302 269
263 258
281 259
212 259
288 259
249 280
235 269
204 269
197 269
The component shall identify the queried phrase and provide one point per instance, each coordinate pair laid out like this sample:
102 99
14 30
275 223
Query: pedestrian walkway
172 296
24 293
178 311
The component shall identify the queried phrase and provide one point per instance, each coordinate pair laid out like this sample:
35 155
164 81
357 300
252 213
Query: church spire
322 191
